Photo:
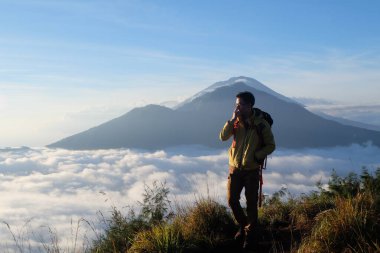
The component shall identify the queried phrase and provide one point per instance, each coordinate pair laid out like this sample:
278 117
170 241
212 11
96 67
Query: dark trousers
249 180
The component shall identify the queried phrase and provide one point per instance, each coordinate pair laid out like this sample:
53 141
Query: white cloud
55 186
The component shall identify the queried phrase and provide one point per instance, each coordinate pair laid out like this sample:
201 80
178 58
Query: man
253 141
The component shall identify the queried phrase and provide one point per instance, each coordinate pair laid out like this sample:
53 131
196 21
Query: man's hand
235 115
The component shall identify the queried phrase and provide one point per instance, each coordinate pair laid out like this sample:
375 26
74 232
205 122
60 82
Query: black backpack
266 116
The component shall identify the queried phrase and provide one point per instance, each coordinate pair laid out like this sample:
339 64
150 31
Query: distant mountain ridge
347 121
198 120
313 105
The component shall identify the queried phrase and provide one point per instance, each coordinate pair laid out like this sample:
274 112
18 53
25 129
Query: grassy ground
343 218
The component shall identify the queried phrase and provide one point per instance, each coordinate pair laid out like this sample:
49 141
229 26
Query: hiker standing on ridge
253 141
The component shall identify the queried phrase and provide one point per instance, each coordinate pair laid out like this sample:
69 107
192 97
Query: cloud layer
54 188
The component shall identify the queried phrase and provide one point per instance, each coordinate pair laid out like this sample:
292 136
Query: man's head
246 97
244 103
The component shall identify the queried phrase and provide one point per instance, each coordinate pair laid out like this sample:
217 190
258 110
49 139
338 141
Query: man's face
244 108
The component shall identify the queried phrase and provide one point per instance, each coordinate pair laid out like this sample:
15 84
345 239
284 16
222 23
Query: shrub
346 187
207 223
120 230
350 227
353 184
276 209
156 204
118 233
308 207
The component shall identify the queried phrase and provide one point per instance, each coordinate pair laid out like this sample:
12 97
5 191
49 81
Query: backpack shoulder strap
260 128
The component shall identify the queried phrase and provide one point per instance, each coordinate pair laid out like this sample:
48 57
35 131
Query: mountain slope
199 121
253 83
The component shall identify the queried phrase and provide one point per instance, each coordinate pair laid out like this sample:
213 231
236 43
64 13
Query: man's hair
247 97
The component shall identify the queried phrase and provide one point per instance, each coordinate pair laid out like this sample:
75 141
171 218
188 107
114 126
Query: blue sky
66 66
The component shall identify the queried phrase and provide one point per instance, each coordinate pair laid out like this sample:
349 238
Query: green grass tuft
207 223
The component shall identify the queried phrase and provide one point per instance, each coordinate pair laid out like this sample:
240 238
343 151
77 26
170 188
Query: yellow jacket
248 149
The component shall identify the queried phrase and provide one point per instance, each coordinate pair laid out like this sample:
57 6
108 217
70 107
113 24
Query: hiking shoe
250 244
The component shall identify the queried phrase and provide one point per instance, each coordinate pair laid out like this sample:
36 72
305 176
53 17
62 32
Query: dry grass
207 223
31 238
352 226
307 208
203 225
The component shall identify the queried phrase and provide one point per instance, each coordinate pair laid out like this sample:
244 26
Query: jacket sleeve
227 131
269 144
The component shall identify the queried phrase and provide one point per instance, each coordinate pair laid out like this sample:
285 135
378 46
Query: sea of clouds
45 192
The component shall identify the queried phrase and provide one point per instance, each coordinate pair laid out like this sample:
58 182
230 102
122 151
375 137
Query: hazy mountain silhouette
347 121
199 119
